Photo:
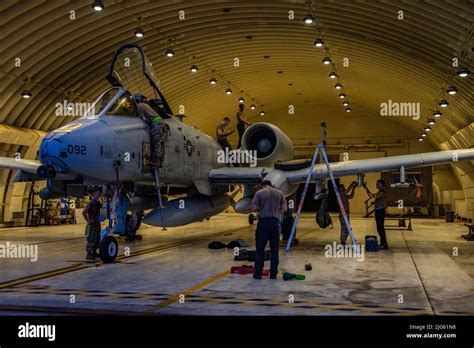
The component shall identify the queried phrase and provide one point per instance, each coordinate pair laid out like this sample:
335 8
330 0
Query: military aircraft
110 145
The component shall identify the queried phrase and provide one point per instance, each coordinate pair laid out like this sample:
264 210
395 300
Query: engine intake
270 143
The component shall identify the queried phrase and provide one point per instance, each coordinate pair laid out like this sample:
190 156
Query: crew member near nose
380 205
270 203
241 123
222 133
91 214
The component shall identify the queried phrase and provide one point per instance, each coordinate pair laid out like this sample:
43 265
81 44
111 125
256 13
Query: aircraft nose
53 156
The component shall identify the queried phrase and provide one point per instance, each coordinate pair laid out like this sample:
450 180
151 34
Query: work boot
383 246
90 256
257 276
273 275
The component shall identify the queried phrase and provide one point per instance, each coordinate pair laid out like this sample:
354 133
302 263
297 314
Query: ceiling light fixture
169 52
463 72
326 60
437 113
252 107
348 110
338 86
431 121
228 91
342 95
262 113
427 128
332 75
308 19
241 100
97 5
319 42
443 103
26 94
452 90
213 81
139 32
424 135
194 68
346 103
420 139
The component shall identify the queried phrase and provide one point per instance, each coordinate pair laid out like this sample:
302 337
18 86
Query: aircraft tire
108 249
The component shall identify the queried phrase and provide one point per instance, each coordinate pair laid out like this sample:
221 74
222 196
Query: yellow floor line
189 291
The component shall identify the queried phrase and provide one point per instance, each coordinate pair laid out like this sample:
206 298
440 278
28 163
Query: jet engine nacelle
183 211
270 143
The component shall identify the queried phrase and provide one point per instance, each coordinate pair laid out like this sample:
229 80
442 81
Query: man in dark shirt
345 196
91 214
270 203
241 123
380 205
222 133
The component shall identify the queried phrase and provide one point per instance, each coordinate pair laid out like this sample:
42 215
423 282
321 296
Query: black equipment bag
322 216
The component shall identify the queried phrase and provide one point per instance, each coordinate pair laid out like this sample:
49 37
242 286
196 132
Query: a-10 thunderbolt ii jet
110 145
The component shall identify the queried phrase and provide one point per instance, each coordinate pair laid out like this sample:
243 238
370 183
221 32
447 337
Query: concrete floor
419 269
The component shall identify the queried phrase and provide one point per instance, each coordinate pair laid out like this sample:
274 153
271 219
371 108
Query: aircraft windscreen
128 70
114 102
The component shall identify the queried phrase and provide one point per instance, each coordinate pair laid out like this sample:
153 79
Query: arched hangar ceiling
404 60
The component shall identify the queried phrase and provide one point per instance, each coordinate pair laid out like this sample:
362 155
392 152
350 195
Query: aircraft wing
27 166
242 175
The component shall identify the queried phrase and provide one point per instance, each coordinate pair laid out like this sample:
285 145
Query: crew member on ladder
241 123
222 133
91 214
152 118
